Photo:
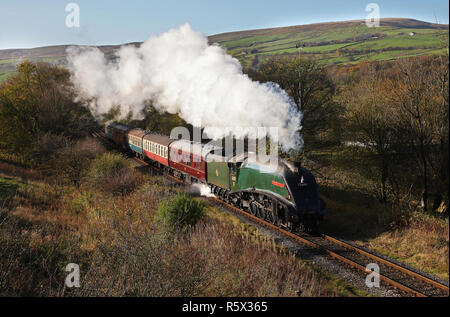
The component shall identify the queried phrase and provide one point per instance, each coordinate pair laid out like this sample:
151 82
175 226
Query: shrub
107 164
181 213
45 148
111 173
69 164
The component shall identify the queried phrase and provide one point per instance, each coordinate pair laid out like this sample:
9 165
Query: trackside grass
46 223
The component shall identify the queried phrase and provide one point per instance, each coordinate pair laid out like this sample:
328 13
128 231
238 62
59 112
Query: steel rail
389 263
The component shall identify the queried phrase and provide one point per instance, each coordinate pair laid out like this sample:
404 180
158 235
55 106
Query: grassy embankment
49 220
408 235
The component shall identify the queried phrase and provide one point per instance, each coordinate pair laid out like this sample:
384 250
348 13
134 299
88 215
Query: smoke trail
179 72
201 190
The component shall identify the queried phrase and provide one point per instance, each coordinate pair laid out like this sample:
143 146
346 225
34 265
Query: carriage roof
197 149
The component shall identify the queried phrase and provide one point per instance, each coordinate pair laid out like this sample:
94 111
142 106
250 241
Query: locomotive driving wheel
254 208
262 213
270 217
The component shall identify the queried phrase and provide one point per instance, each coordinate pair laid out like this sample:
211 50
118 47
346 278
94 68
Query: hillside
338 42
330 43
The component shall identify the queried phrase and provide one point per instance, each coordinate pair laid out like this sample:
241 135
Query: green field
328 43
345 44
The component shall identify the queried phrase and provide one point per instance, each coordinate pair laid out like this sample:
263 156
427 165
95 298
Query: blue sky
31 23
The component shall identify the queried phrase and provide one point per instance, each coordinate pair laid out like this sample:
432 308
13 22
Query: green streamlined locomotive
285 194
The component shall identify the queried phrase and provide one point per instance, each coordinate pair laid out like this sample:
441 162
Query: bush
181 213
106 165
69 164
45 148
111 173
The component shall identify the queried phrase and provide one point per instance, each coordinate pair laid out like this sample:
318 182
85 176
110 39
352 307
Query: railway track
396 275
400 277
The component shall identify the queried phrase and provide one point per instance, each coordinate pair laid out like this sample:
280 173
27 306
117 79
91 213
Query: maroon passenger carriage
187 160
118 132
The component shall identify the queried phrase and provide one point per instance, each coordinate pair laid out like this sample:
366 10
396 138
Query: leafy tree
420 90
311 89
370 122
36 101
400 113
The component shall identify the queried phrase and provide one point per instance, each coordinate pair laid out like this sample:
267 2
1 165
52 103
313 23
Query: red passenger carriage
188 159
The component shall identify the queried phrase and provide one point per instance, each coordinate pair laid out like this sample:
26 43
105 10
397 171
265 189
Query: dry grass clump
398 231
33 256
212 259
423 244
19 171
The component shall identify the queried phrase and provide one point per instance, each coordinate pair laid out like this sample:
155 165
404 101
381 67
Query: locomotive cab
302 184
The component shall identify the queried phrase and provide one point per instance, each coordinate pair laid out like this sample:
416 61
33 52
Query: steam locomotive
286 196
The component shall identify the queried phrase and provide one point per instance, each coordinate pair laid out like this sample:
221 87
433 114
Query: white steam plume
201 190
181 73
